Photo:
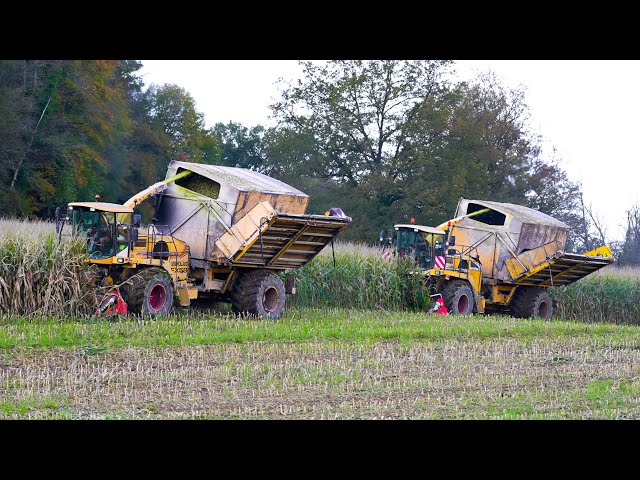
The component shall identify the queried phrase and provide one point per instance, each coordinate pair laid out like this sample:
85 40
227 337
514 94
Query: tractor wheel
532 302
258 292
458 298
149 292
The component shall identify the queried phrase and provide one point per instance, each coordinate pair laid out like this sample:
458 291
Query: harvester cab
423 244
126 253
106 227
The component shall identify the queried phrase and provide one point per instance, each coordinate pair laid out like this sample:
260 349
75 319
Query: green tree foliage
65 122
242 147
173 110
70 130
389 140
384 140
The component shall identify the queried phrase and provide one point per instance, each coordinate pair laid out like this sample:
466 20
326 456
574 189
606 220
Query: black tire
458 297
532 302
258 292
149 292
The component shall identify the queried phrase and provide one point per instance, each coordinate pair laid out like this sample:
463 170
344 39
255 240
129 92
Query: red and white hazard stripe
439 261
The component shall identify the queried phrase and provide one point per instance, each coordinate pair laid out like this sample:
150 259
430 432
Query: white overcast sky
587 109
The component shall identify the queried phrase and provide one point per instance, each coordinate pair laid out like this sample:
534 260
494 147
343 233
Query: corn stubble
466 378
322 363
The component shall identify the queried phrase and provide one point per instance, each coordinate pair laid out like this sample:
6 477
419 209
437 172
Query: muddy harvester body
219 234
496 257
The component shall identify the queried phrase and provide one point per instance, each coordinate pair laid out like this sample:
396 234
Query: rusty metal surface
283 203
535 235
232 182
521 246
189 220
566 269
532 260
524 214
504 250
292 241
243 233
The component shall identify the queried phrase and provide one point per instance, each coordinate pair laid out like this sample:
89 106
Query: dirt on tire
260 293
149 292
532 302
458 297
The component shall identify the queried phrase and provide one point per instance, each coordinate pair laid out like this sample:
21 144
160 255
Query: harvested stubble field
319 364
370 358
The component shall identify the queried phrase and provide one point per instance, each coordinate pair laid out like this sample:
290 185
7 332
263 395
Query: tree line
385 141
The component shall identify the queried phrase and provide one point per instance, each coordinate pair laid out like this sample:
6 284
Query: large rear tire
260 293
532 302
149 292
458 297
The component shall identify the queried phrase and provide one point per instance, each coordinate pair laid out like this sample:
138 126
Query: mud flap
184 296
290 284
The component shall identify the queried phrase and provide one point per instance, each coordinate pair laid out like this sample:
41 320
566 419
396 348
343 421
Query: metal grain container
199 208
509 239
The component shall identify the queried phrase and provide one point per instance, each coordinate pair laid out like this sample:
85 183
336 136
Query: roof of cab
421 228
103 206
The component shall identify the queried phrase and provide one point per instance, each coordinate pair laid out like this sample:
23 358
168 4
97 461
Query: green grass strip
296 325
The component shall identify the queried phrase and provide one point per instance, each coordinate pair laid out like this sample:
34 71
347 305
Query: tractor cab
423 244
106 227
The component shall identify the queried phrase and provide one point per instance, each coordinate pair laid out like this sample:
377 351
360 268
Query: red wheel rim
157 297
463 303
270 299
543 309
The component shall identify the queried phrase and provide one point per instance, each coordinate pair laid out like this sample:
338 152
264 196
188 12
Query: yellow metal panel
502 294
488 250
514 267
480 303
228 282
603 251
534 260
241 236
103 261
475 279
183 297
186 293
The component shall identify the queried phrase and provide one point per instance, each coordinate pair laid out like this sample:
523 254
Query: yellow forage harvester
495 257
219 234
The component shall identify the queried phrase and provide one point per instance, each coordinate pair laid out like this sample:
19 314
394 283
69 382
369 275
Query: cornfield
611 294
360 279
39 277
